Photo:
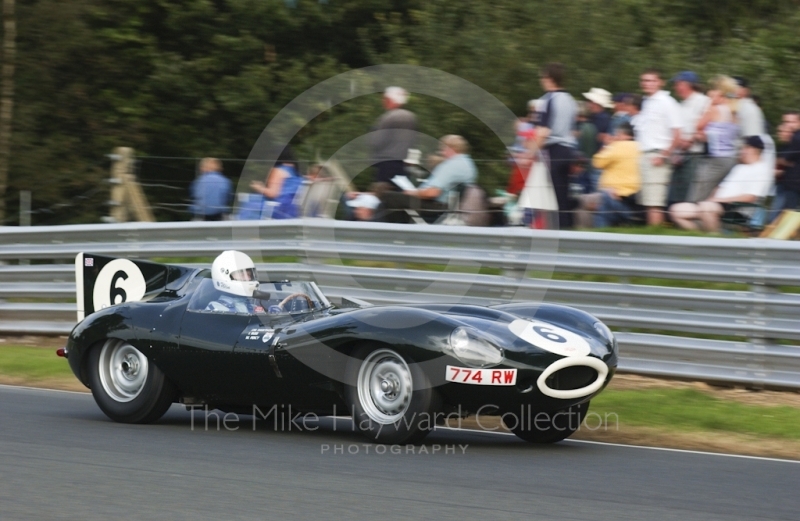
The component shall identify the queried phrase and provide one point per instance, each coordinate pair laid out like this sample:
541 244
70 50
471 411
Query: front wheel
126 387
390 397
546 427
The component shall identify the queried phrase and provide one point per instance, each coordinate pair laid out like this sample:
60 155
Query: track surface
60 458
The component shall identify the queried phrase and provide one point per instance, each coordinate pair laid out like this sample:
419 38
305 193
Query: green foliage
204 77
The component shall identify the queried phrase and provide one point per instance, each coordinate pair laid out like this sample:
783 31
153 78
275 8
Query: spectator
789 182
554 135
633 105
281 187
433 195
790 123
599 101
211 192
693 105
657 129
393 134
521 154
364 206
719 129
619 182
751 118
413 166
621 114
585 132
748 182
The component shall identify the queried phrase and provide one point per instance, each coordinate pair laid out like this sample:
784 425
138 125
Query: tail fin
103 281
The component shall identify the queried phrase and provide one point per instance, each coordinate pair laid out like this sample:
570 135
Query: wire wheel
385 386
122 369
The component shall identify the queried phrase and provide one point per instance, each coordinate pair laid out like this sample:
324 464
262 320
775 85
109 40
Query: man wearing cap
747 182
364 205
658 132
393 134
749 114
694 104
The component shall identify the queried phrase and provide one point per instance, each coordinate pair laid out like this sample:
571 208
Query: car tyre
126 386
546 427
390 397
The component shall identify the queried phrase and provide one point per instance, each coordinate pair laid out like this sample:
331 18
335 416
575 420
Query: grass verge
690 410
36 367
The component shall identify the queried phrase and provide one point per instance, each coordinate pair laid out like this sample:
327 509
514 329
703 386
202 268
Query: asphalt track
60 458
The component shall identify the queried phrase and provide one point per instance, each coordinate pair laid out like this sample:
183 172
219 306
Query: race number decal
550 338
119 281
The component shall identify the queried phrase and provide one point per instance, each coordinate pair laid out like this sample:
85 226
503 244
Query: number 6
549 335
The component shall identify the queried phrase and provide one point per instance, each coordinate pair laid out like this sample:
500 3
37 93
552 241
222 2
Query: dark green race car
155 334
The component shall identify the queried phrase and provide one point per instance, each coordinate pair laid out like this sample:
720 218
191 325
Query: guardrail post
759 342
24 214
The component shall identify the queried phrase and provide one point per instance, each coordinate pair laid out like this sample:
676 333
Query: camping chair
467 207
741 221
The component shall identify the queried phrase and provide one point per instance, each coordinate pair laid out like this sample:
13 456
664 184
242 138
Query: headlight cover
605 332
473 350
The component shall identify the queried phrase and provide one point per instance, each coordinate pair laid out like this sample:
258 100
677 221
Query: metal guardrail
658 326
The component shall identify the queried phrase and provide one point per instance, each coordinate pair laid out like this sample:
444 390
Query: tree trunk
6 98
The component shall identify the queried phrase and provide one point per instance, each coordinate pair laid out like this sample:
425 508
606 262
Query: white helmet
234 272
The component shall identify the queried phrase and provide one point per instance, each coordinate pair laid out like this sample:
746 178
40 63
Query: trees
204 77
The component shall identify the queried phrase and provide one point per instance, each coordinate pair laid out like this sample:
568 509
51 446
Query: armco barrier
663 330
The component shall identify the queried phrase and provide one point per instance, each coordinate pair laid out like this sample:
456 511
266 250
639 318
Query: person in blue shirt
211 192
433 195
281 187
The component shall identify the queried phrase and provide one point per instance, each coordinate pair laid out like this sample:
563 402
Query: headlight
473 350
605 332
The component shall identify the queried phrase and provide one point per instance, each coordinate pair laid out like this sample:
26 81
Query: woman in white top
719 129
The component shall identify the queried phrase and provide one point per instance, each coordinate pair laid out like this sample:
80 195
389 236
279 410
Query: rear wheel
126 386
546 427
390 396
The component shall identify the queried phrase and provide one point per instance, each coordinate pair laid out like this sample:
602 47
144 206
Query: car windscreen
272 298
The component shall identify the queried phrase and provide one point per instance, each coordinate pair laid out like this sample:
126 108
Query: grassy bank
36 367
690 410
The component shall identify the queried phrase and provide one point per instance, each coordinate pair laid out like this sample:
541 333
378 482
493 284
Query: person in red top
521 154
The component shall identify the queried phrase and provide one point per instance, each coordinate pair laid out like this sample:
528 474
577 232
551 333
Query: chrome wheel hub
123 370
384 386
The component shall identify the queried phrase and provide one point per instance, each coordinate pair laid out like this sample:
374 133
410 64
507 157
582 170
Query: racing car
150 335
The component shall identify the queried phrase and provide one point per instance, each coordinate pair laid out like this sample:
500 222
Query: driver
234 273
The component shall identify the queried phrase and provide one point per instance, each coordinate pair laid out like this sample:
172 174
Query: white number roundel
119 281
550 338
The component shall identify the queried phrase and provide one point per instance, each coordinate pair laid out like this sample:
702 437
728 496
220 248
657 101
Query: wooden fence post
127 197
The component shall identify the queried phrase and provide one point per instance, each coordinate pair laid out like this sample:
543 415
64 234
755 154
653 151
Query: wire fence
167 181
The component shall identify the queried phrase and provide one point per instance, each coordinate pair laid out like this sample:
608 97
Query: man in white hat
393 134
598 100
364 206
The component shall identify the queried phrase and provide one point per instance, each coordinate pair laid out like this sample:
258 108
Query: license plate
465 375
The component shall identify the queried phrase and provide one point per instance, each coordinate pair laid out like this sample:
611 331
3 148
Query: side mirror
261 295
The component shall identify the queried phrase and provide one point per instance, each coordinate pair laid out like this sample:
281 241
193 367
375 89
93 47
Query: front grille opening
571 378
